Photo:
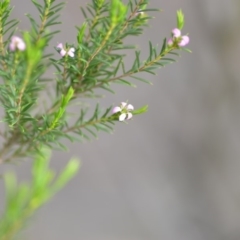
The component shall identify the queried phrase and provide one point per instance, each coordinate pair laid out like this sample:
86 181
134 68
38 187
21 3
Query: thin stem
129 73
95 20
91 123
133 14
44 20
15 64
22 90
107 36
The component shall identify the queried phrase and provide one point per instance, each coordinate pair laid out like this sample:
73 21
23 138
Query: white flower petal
129 116
63 52
123 105
130 107
116 109
122 117
21 45
70 53
72 49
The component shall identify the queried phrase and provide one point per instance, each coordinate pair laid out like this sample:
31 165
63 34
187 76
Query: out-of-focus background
173 173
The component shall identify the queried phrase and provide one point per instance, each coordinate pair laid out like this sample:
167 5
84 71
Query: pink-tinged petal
72 49
129 116
130 107
16 43
176 32
122 117
116 109
70 53
14 38
63 52
60 45
170 42
184 41
12 46
21 45
123 105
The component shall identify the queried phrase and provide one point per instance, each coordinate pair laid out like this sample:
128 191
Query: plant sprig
23 200
97 61
40 113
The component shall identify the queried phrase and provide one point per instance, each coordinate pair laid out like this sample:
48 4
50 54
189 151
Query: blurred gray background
173 173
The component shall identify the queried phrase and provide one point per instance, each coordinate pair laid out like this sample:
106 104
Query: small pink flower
17 43
176 33
63 51
181 41
125 110
184 41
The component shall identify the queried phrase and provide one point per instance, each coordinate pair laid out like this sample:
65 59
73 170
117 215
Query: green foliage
180 19
141 110
6 25
98 61
118 12
64 103
48 13
22 200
